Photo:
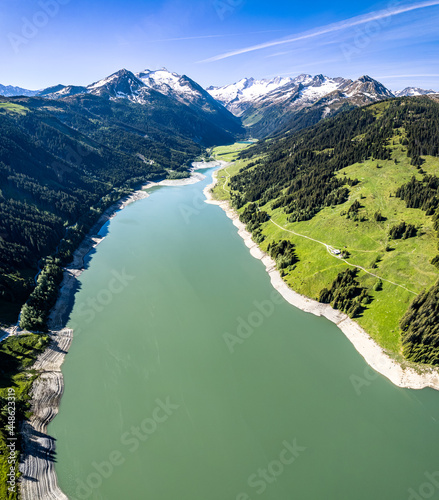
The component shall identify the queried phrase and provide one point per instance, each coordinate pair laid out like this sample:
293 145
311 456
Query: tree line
346 294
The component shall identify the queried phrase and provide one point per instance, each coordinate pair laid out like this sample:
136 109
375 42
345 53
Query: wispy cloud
330 28
220 35
408 76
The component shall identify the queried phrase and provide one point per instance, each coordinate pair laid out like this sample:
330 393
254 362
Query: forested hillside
63 162
366 185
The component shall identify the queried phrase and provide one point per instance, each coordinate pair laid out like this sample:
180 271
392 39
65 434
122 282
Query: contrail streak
330 28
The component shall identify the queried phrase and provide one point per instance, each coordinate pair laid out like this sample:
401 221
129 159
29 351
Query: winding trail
401 372
329 248
226 179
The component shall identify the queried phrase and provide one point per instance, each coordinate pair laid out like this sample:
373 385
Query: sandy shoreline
373 354
37 464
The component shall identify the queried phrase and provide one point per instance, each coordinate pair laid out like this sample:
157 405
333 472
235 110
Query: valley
219 250
64 161
335 179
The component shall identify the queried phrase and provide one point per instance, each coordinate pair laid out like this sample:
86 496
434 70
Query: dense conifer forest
420 327
346 294
62 163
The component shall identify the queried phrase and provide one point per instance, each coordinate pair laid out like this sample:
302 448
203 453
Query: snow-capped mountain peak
246 90
368 87
179 87
144 88
319 86
299 91
165 82
264 105
119 84
413 91
249 87
160 76
303 78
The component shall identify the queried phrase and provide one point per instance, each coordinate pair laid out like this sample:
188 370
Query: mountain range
237 96
267 106
10 91
262 106
148 86
139 88
66 147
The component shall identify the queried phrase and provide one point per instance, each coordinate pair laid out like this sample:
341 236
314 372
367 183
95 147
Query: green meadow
17 355
403 265
13 108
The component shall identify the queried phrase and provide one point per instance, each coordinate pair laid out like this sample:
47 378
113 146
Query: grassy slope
17 354
11 107
408 263
229 154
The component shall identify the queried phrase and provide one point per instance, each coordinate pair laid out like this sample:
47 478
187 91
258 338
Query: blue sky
216 42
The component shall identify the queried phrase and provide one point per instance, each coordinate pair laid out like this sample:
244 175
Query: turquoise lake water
190 378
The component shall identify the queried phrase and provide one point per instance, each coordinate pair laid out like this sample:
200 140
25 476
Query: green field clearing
229 154
13 108
17 354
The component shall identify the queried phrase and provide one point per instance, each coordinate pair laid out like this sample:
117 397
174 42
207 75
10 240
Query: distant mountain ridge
235 95
241 95
269 106
413 91
264 107
10 91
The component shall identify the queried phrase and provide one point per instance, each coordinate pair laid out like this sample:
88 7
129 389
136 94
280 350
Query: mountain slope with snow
266 105
413 91
172 94
122 84
59 91
177 86
238 96
184 90
349 95
148 87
